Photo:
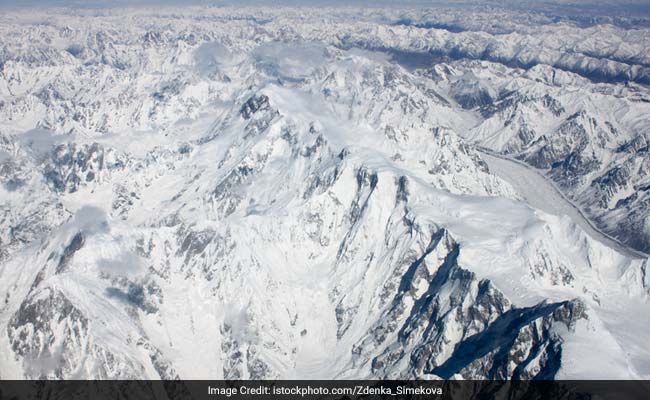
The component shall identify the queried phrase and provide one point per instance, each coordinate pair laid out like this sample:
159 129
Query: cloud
290 61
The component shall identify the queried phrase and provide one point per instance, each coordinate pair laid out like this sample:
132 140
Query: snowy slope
590 139
539 192
209 195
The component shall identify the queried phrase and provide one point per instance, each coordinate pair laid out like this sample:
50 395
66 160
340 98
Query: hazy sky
591 5
395 2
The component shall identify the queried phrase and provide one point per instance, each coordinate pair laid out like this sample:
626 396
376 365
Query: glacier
275 193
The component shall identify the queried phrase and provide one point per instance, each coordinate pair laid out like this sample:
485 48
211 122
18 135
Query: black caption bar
325 390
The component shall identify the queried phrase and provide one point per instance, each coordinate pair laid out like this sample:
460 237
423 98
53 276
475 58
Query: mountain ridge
210 207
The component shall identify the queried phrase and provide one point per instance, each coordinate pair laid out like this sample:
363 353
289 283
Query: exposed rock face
71 165
253 105
255 200
590 142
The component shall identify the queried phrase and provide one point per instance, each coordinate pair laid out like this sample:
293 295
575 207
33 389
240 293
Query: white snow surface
540 193
209 195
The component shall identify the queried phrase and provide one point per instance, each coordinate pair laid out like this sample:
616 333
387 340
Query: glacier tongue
227 211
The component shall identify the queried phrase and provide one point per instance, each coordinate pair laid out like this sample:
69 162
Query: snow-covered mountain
591 139
275 193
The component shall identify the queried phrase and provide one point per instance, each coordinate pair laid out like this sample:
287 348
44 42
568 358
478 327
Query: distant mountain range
274 192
